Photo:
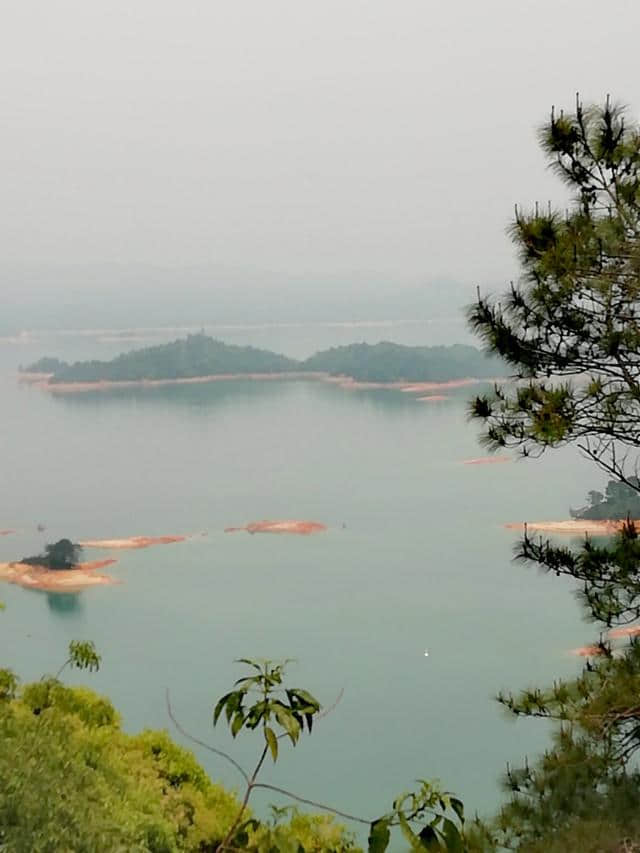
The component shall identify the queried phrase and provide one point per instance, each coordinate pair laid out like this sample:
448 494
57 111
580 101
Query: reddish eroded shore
132 542
587 651
574 526
614 634
41 380
6 532
34 378
487 460
630 631
303 528
54 580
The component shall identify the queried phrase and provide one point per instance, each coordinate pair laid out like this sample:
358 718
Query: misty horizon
290 163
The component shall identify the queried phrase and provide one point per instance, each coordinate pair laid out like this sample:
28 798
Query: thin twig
243 806
282 791
331 708
193 739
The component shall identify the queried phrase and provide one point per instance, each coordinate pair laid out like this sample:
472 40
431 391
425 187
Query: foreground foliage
71 779
428 818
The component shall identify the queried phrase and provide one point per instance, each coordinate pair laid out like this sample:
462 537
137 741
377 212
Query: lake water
416 557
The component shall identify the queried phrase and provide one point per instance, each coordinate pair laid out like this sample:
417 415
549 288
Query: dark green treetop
63 554
569 327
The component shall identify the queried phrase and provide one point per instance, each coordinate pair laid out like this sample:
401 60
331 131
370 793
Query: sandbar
487 460
303 528
425 387
132 542
587 651
107 384
631 631
30 378
574 526
42 380
6 532
54 580
432 398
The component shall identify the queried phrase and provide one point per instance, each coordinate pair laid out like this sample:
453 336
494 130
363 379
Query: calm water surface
415 558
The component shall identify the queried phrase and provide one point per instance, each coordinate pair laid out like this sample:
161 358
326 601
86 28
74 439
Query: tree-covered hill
388 362
45 365
619 501
195 355
200 355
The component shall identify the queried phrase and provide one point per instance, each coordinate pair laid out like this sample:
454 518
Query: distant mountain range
200 355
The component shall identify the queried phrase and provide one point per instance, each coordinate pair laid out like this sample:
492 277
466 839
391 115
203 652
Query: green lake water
415 557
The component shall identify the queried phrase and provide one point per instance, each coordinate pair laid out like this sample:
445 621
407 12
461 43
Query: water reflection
64 603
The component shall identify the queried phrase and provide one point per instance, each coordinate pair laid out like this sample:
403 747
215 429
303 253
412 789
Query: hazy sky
388 140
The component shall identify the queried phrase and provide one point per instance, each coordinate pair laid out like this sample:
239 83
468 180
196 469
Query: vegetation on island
388 362
60 555
199 355
45 365
195 355
621 500
575 313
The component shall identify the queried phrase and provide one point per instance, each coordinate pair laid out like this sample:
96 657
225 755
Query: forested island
619 501
58 556
199 355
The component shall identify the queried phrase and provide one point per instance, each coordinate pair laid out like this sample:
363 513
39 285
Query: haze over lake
415 558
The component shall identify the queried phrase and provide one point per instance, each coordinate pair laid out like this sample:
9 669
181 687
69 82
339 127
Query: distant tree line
388 362
620 500
200 355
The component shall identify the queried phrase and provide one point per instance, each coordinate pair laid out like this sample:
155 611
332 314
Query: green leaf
272 741
429 838
220 705
84 655
238 722
256 713
408 833
379 835
305 696
234 703
458 807
287 721
241 835
452 837
249 662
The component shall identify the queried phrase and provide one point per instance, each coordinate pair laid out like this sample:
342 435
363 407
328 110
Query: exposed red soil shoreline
574 526
303 528
41 380
132 542
587 651
614 634
31 378
51 580
629 631
106 384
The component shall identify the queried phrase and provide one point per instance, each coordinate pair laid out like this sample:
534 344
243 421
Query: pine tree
570 328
